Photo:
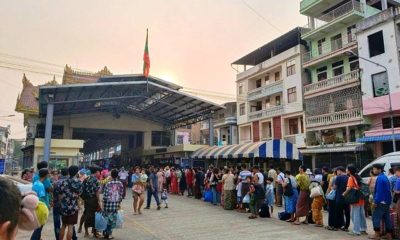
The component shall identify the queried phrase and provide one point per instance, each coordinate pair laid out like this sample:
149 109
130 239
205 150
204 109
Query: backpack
114 192
264 211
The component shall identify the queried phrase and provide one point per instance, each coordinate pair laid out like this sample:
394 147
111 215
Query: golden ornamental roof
72 76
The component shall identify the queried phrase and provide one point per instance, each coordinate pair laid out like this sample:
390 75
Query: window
337 68
375 44
242 109
354 64
221 115
320 46
267 103
240 88
380 84
293 126
277 100
322 73
258 106
277 76
267 79
160 139
179 139
292 96
291 67
258 83
386 124
336 42
350 33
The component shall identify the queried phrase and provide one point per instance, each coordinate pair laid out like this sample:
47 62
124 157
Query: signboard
2 166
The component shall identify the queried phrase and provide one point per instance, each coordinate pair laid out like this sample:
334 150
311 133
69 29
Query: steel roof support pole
211 130
48 130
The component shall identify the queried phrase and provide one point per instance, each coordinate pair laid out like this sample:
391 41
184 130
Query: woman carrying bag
353 197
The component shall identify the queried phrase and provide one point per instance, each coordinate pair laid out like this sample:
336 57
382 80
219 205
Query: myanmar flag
146 57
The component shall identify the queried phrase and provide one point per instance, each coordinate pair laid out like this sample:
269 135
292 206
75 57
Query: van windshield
366 172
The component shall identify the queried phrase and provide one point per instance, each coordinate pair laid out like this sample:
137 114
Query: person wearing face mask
10 206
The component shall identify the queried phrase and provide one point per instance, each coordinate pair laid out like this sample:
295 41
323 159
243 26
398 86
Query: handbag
353 196
288 191
246 199
331 195
208 196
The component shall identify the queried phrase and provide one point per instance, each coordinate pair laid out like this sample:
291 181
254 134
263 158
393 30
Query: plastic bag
100 222
208 196
246 199
120 219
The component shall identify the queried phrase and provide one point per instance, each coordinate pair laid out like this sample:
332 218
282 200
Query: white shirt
281 178
260 178
123 175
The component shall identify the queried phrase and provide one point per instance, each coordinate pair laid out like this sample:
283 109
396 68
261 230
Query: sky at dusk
191 42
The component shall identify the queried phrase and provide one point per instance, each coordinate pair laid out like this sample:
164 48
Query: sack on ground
100 222
208 196
284 216
264 211
120 219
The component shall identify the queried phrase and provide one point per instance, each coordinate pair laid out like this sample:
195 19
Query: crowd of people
304 196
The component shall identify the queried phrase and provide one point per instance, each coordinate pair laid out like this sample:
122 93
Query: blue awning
276 148
381 138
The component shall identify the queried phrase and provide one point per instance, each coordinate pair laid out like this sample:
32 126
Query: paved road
192 219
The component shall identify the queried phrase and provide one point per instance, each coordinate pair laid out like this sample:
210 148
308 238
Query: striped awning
271 149
380 138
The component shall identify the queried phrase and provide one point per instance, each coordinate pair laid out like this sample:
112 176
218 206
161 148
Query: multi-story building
4 136
379 41
269 91
332 95
225 127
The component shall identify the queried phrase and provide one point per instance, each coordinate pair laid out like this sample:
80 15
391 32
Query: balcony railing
329 47
333 15
298 139
267 113
334 118
267 90
225 121
332 82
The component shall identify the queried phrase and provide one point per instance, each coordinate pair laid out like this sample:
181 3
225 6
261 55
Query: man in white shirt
279 189
123 177
256 171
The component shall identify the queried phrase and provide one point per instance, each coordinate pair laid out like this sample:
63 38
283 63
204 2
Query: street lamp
350 53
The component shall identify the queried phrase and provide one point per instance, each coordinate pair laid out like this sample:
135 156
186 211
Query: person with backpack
91 198
290 194
112 198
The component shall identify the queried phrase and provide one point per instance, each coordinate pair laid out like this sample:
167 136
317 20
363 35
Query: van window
366 172
395 166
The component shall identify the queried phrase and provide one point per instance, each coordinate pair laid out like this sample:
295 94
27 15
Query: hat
308 171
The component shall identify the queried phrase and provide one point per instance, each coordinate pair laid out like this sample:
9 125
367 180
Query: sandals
290 220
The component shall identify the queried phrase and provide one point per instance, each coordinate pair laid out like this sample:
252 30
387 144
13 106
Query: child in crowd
164 197
269 194
10 206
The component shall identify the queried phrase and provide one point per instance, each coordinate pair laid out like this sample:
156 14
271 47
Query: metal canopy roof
273 48
155 99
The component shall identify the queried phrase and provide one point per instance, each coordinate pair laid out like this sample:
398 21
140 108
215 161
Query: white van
391 160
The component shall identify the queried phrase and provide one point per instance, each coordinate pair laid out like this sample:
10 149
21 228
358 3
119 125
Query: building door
277 127
256 131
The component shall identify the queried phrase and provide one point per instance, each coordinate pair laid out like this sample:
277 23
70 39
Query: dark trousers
342 216
57 225
151 193
332 213
124 183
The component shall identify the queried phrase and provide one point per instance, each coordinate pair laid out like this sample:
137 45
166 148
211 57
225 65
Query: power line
261 16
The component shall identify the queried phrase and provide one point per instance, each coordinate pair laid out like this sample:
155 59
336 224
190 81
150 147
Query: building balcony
266 113
297 139
315 7
334 20
265 91
335 48
245 140
337 118
225 121
336 83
